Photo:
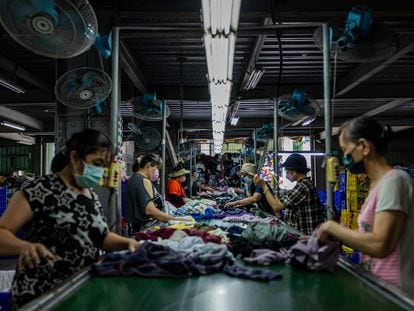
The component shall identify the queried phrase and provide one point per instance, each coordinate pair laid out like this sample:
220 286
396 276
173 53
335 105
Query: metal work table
347 288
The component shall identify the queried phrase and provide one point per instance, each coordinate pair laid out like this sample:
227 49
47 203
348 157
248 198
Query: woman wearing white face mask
303 209
62 218
142 199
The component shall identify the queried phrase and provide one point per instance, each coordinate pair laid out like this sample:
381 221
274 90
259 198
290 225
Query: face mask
247 180
90 177
155 175
349 163
289 177
182 179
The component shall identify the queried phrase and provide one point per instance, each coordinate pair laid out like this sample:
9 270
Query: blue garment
263 202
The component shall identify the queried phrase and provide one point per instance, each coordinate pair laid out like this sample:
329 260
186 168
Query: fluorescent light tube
13 125
234 121
12 86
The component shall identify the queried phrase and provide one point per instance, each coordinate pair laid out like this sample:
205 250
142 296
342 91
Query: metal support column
114 201
163 146
327 115
275 146
191 169
255 146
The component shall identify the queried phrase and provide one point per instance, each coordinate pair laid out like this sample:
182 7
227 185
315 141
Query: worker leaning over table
386 221
62 218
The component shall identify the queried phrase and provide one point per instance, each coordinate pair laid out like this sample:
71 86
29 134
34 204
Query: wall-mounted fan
298 107
148 107
148 138
52 28
265 132
360 39
83 88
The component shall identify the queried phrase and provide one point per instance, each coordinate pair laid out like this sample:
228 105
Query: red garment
174 188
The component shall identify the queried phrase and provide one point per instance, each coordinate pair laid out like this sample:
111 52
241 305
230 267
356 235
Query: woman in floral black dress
63 220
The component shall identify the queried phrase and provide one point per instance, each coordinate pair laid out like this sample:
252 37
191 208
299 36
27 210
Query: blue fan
52 28
148 107
360 39
298 107
83 88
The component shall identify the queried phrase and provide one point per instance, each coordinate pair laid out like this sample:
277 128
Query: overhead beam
365 71
131 67
391 105
22 73
20 118
19 137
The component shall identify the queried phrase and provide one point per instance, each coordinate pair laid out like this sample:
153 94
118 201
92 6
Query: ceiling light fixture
254 79
13 125
234 121
220 20
12 86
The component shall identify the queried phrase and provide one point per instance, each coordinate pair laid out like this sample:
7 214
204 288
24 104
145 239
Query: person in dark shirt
303 210
142 199
254 192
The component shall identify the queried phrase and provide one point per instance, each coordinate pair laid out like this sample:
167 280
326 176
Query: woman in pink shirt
386 222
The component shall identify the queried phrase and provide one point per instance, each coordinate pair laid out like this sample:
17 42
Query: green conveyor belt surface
298 290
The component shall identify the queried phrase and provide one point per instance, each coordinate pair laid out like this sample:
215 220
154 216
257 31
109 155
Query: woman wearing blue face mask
254 193
62 218
302 207
142 199
386 221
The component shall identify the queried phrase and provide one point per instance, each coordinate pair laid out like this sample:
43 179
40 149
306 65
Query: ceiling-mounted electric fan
148 107
298 107
360 39
51 28
83 88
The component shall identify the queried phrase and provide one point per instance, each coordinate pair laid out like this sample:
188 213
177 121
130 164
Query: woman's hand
230 204
32 253
258 181
325 230
133 245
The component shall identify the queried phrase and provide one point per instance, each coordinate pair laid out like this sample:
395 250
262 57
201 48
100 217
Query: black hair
84 142
366 127
58 162
87 141
152 158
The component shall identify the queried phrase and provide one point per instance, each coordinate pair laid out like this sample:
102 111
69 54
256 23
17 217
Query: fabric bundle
153 260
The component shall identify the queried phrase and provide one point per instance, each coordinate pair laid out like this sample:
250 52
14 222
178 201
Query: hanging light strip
220 20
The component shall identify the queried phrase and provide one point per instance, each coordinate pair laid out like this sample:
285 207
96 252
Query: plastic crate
351 255
342 182
349 219
358 182
339 201
355 199
3 199
5 301
322 196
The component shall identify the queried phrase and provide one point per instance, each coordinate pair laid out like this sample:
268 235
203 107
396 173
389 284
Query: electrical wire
334 84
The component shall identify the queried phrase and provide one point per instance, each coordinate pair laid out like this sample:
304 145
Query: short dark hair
152 158
366 127
84 142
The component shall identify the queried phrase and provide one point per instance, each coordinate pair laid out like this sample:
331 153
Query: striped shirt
394 192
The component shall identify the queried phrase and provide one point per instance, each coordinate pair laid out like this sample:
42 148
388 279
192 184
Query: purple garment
315 255
251 274
154 260
310 254
267 256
